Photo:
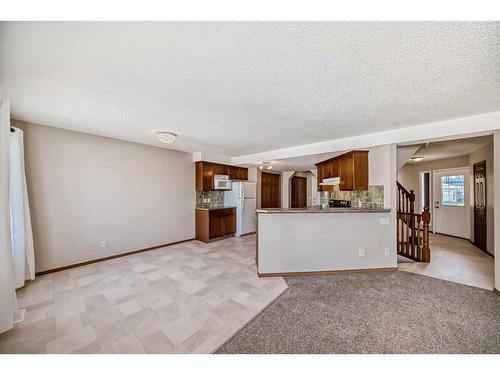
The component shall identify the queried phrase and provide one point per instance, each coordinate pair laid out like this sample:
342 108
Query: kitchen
225 201
352 227
351 230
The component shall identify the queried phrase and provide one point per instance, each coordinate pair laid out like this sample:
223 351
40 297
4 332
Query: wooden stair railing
413 242
412 228
406 199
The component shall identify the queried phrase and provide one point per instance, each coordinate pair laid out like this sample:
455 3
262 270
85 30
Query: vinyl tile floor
185 298
454 259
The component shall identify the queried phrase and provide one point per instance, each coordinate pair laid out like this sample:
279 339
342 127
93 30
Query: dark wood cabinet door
327 170
480 205
270 190
351 168
346 173
229 221
334 168
216 224
360 170
233 173
243 173
205 172
221 169
299 192
208 176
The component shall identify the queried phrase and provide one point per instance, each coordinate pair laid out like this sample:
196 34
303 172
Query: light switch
362 252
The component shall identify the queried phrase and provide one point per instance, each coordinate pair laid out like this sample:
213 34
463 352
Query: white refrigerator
243 196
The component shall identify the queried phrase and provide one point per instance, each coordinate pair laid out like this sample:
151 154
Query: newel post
412 202
426 219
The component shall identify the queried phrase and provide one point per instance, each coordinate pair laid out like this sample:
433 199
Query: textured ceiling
451 148
239 88
300 163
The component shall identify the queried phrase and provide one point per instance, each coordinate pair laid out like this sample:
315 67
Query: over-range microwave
222 182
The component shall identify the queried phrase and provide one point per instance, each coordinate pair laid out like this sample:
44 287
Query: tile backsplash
371 198
209 198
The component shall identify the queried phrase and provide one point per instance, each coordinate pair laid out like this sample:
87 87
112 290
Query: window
452 190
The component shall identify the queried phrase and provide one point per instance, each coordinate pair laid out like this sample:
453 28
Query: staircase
412 228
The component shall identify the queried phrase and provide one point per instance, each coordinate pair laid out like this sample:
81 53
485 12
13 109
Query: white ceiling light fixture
166 137
417 158
266 165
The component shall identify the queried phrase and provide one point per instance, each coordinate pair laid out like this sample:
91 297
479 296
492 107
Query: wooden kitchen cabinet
215 223
242 173
205 172
351 167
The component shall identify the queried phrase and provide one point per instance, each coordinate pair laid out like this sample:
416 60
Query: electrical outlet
384 221
387 251
104 243
362 252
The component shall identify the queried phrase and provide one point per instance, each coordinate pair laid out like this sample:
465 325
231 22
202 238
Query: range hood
330 181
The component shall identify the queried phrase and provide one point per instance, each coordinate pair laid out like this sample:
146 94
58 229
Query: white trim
466 172
453 169
472 125
496 205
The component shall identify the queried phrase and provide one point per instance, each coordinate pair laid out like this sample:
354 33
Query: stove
339 203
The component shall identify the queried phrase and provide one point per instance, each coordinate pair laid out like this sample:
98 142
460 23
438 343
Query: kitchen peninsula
317 240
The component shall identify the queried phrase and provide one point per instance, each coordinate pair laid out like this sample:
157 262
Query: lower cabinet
215 223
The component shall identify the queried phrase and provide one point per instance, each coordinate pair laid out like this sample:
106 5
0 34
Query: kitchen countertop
210 208
319 210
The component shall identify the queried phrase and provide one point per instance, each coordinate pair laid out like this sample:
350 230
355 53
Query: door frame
291 189
467 198
280 187
473 205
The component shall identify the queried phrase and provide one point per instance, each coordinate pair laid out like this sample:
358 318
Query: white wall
302 242
212 157
484 153
84 189
496 168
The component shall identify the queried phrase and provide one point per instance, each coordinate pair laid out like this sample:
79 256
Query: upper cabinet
351 168
205 172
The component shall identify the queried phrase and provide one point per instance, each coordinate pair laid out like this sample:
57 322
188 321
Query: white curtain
21 234
8 303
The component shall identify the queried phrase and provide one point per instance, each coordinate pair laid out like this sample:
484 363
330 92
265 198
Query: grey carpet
375 312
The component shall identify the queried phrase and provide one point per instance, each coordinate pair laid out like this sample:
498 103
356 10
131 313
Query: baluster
411 200
398 234
419 248
426 253
406 234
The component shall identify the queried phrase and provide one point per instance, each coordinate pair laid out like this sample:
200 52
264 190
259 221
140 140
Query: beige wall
484 153
408 175
84 189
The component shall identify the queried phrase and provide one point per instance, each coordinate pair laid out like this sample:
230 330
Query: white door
451 202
